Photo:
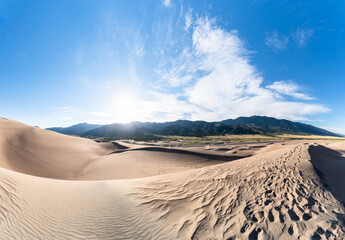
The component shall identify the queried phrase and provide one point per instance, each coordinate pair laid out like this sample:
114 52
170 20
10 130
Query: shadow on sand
330 166
185 152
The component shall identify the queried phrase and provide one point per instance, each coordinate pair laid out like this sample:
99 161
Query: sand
54 186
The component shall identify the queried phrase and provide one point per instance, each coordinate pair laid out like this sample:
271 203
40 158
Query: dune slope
41 208
44 153
329 162
274 195
48 154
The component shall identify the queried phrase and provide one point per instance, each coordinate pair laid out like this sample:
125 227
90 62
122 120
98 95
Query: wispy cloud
167 3
65 108
64 113
100 114
276 41
188 19
230 85
208 76
302 36
180 70
279 41
288 88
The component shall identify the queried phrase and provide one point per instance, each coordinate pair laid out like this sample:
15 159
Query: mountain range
76 130
146 130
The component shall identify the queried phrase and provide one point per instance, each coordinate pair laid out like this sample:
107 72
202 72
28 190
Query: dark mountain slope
273 125
241 125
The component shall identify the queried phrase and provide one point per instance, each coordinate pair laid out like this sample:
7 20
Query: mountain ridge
76 129
241 125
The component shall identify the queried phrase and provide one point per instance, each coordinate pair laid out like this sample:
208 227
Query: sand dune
165 193
145 162
277 194
44 153
41 208
48 154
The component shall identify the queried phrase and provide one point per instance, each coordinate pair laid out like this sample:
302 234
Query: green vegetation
185 140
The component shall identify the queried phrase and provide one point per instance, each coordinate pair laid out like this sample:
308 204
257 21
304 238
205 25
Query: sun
124 107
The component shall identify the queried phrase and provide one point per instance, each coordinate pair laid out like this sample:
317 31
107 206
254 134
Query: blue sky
65 62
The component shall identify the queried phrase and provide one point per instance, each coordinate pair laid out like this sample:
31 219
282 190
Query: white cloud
181 70
288 88
212 79
188 19
230 86
300 37
275 41
100 114
139 49
65 113
65 109
163 107
167 3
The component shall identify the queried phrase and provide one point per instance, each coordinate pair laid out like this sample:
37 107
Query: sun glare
125 107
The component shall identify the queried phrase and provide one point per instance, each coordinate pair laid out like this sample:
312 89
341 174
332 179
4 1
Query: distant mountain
76 130
179 128
273 125
241 125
